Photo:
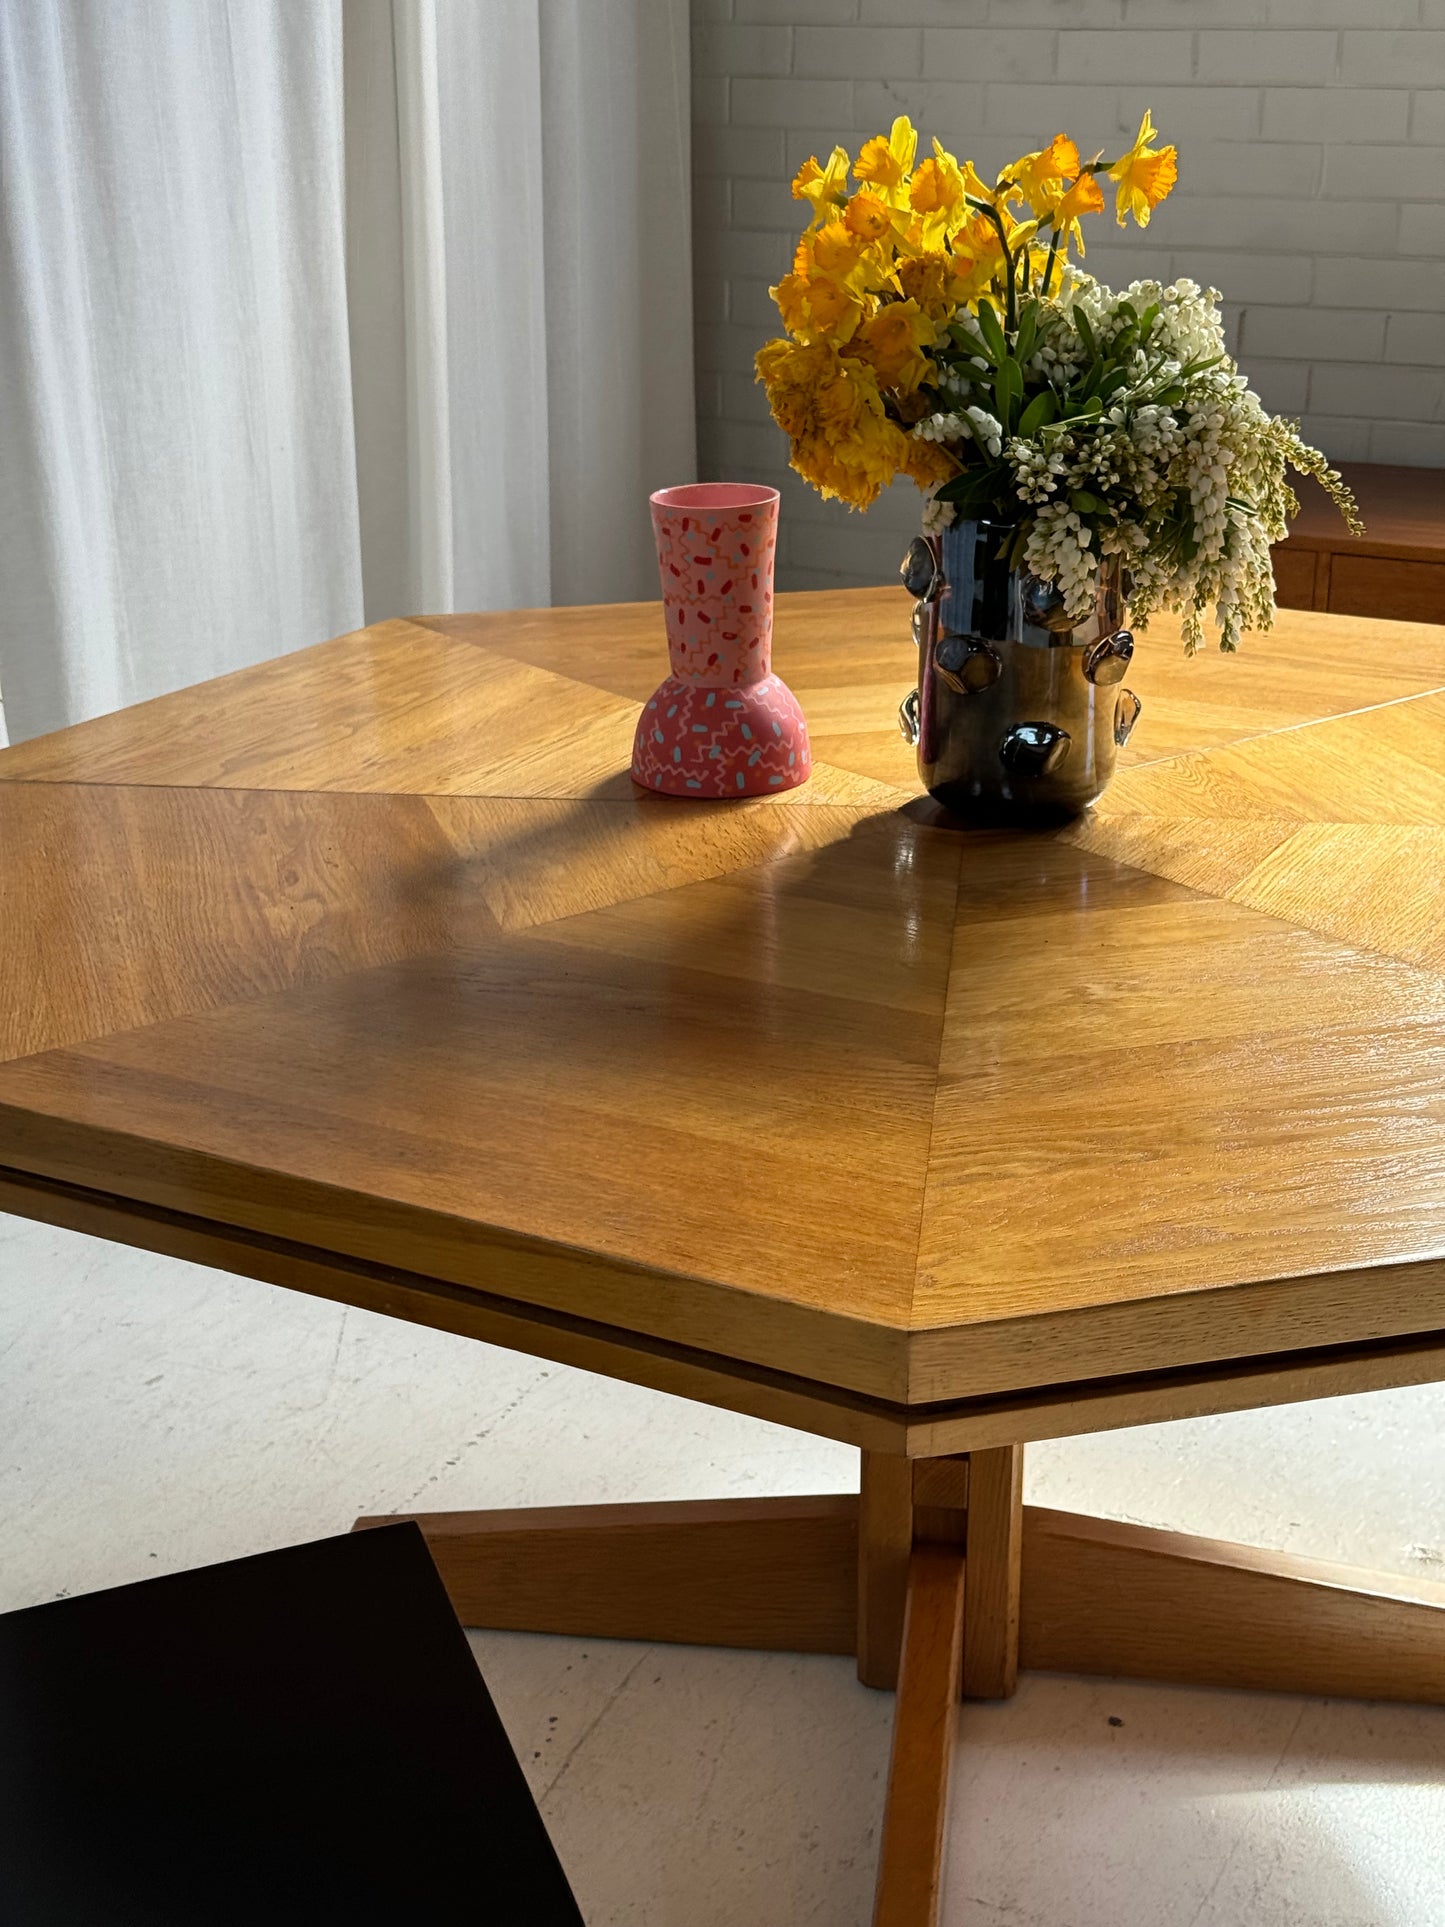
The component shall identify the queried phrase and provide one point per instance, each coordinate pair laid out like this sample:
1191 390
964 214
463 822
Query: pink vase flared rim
717 496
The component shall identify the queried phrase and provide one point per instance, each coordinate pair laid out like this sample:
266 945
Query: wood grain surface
374 951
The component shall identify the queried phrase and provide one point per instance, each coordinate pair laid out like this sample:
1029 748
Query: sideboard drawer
1294 576
1369 585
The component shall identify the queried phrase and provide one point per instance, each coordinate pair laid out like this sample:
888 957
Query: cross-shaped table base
943 1583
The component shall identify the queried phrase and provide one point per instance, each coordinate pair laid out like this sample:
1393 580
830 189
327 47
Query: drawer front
1294 576
1372 585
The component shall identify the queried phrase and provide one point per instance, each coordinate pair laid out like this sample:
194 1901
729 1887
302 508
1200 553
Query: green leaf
1089 412
1147 320
1042 409
992 333
1028 331
1083 503
976 488
1085 332
970 343
1019 544
1008 389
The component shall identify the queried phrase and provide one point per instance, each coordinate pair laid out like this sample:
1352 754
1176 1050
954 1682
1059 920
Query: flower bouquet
1078 448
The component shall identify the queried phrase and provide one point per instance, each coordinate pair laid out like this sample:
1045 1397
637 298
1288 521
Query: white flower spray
1182 474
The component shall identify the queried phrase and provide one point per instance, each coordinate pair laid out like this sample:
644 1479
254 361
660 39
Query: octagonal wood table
367 972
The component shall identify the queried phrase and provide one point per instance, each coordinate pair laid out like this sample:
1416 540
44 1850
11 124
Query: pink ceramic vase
722 724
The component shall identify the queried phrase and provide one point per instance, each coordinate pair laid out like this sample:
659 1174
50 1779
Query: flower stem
1011 304
1049 270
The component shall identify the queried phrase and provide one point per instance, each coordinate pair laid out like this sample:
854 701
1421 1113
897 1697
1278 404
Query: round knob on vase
966 664
919 568
908 718
1126 713
1043 604
1034 749
1106 660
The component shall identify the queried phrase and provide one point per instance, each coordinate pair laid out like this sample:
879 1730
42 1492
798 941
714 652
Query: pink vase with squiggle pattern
722 724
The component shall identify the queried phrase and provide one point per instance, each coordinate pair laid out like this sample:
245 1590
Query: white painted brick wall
1312 193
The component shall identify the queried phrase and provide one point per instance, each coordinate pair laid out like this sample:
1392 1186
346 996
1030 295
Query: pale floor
156 1416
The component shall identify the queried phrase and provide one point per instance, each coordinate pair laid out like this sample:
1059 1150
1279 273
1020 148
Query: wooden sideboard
1396 569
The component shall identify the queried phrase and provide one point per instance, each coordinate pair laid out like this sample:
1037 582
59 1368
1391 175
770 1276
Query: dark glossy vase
1019 712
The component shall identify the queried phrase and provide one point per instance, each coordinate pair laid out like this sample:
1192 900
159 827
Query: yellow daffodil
832 412
826 187
978 258
816 307
1038 178
831 250
1084 197
928 278
892 342
926 463
937 193
887 161
868 217
1144 175
933 191
974 186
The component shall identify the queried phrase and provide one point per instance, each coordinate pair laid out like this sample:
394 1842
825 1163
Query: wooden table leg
910 1861
885 1540
994 1546
779 1574
900 1501
1103 1597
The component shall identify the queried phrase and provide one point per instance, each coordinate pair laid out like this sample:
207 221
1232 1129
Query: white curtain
319 311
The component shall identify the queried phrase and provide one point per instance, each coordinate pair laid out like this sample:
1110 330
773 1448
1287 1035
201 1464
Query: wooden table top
375 950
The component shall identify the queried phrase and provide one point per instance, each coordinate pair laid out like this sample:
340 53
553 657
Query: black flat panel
301 1736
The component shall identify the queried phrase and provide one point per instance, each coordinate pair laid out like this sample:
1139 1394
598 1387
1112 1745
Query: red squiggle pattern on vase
721 724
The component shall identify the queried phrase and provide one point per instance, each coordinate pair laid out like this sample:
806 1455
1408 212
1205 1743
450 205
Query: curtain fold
321 311
617 173
177 477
